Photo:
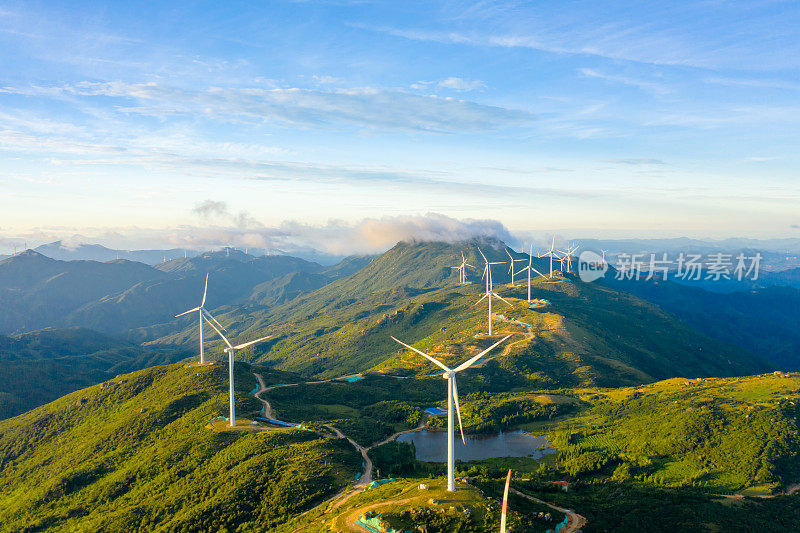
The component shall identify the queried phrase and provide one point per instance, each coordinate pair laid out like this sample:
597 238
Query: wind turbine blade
498 263
462 257
187 312
426 356
223 328
482 297
215 329
484 257
469 265
244 345
534 270
205 290
469 362
500 297
458 409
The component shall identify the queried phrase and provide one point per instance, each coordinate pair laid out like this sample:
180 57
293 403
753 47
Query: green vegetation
135 454
38 367
722 434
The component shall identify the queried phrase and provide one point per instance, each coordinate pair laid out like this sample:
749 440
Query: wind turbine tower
487 271
201 308
462 272
452 398
551 252
231 350
530 269
511 260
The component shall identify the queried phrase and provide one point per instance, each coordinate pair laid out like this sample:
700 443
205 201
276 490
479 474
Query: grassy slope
38 367
721 434
137 456
590 335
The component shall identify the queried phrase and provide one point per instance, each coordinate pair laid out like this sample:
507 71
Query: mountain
96 252
40 366
137 454
38 292
761 320
588 335
130 299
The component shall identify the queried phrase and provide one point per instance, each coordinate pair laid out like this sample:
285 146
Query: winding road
574 521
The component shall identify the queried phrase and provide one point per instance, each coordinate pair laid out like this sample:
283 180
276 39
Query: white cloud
655 88
364 107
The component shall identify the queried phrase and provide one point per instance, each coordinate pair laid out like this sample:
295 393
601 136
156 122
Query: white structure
552 253
568 255
200 310
530 269
462 272
452 397
511 260
487 271
231 349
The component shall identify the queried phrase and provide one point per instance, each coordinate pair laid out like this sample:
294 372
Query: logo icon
591 266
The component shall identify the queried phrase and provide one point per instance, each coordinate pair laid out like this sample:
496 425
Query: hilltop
588 334
135 454
40 366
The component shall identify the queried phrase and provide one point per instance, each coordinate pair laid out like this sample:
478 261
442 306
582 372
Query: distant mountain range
328 321
97 252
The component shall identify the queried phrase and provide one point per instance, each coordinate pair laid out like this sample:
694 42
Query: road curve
366 477
574 521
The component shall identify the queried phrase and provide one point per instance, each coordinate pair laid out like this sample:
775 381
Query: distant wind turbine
487 271
568 255
452 397
462 273
530 269
551 253
511 261
200 309
231 349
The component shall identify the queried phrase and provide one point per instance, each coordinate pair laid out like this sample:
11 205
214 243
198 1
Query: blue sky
117 122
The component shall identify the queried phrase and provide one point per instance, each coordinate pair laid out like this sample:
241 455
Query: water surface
432 445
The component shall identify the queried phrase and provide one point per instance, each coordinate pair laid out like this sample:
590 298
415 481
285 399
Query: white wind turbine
487 271
462 272
551 252
530 269
452 397
201 308
568 255
231 349
511 260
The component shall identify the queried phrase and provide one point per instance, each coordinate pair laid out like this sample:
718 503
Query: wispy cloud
367 107
635 161
454 83
649 86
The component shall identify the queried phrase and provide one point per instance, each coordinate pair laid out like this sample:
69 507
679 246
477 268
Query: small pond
431 446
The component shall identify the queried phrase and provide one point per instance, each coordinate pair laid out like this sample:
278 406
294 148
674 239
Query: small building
563 484
423 486
435 411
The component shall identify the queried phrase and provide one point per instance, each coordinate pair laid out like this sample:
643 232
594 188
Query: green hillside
589 335
761 320
135 454
38 367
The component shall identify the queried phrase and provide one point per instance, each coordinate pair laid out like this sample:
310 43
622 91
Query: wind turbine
231 349
604 256
452 397
201 308
530 269
551 253
487 271
462 273
511 260
568 255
